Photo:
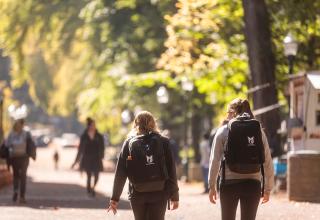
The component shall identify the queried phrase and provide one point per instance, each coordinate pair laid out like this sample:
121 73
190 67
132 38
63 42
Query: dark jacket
91 152
171 188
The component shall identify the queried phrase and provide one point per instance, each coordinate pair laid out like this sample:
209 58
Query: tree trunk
262 66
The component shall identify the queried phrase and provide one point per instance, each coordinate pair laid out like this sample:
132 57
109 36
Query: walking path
61 195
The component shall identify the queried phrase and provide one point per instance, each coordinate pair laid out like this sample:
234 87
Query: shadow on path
58 195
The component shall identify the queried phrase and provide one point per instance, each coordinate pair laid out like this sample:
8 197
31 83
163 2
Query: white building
304 125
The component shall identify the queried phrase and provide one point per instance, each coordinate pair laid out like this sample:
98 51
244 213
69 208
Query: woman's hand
265 198
73 165
213 196
113 206
174 205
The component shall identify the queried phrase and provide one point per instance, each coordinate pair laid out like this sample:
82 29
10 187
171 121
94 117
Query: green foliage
204 45
40 77
98 57
80 46
302 19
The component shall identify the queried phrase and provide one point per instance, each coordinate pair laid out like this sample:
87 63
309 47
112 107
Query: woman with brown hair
146 160
253 180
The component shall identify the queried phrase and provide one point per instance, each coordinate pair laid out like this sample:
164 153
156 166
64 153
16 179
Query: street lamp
126 116
163 99
187 86
290 50
162 95
17 113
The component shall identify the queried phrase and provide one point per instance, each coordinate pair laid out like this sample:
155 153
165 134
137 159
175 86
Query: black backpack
244 148
146 163
244 152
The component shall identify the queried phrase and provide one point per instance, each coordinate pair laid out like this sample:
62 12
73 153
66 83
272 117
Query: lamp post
126 116
187 87
290 51
162 95
163 99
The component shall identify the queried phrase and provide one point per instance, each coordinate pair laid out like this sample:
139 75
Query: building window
318 118
319 98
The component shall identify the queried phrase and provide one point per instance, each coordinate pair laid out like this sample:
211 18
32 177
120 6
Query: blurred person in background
174 147
56 158
90 155
20 147
205 158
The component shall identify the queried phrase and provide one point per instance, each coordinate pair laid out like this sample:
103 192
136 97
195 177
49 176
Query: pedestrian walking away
20 147
90 155
241 156
147 161
205 157
56 159
173 146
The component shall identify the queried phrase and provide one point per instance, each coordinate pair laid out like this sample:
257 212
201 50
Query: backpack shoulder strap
163 155
131 141
263 180
230 123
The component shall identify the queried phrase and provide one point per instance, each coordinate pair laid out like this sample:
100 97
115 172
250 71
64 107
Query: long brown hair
246 108
239 106
235 106
143 123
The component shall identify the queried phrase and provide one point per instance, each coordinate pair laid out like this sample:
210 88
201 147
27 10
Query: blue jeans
205 173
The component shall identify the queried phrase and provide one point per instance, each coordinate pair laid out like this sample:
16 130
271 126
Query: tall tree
262 66
201 35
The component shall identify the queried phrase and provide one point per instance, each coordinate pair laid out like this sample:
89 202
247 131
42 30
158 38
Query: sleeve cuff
115 199
175 197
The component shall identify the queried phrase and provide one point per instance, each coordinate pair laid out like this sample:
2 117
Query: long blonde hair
144 123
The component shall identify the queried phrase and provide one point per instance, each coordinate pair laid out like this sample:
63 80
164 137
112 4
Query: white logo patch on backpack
149 160
251 141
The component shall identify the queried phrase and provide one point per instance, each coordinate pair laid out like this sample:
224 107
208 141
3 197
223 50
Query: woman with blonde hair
241 155
147 161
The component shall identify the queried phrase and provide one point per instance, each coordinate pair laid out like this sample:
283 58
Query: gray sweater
216 155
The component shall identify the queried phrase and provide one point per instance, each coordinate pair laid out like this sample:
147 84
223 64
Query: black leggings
247 192
149 209
20 166
95 174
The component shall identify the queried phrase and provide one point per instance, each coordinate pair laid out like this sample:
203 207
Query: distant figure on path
174 147
56 159
20 147
147 161
241 155
205 157
90 155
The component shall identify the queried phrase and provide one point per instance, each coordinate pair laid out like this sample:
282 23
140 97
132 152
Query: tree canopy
99 57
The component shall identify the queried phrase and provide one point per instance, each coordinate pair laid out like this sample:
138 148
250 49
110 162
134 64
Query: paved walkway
61 195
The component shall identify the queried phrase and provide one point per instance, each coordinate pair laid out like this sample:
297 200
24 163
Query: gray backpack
17 144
